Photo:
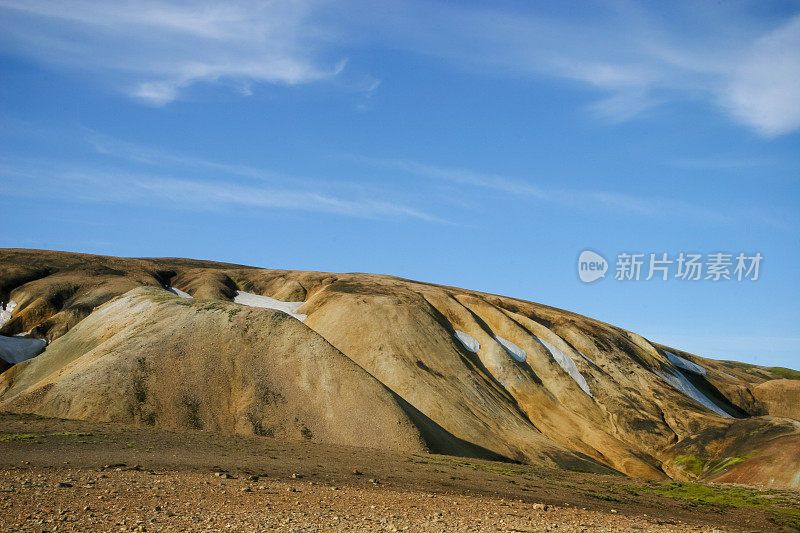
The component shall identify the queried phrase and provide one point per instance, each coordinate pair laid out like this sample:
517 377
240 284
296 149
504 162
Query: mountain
382 362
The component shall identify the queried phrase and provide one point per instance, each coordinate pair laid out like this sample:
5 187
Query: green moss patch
787 373
11 437
784 507
699 466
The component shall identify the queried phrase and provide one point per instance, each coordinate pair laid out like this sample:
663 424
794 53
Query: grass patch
727 464
786 520
787 373
487 468
11 437
691 463
699 466
214 305
783 372
784 510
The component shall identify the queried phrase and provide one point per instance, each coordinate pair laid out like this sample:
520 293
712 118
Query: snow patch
178 292
513 350
256 300
566 362
469 342
685 364
587 358
680 382
5 312
14 350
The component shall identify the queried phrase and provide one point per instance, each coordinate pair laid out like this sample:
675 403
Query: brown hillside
387 362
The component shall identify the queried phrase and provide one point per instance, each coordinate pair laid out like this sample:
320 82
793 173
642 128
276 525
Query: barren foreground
72 475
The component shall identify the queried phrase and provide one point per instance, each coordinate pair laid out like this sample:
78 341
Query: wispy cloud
520 188
764 91
585 200
458 175
233 188
156 48
95 186
634 57
110 146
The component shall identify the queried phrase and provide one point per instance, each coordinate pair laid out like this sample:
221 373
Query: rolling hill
382 362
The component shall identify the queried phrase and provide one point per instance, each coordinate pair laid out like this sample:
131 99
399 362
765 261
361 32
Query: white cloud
155 48
212 186
98 186
764 91
158 93
153 156
634 57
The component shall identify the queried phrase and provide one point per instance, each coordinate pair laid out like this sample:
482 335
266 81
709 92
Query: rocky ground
122 499
58 475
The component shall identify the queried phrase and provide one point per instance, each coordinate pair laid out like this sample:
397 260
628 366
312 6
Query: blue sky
476 145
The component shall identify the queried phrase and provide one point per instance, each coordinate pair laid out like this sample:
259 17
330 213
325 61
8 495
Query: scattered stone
374 481
254 478
357 473
297 476
64 484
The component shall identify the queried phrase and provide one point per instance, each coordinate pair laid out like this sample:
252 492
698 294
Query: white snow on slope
255 300
587 358
513 350
178 292
685 364
679 381
469 342
566 362
5 312
14 350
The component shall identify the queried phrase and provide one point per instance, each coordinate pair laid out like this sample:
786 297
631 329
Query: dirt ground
63 475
